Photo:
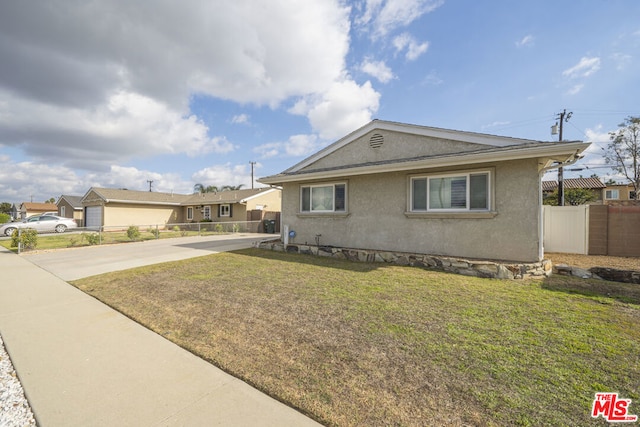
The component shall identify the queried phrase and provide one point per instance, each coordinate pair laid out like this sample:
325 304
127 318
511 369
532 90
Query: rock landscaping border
466 267
603 273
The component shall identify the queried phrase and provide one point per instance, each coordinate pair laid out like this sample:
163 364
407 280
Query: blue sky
115 93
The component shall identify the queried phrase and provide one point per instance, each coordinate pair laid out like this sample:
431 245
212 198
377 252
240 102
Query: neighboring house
399 187
618 192
110 207
71 207
28 209
593 184
225 206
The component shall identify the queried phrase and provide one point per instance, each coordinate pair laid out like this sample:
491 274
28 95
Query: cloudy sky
115 93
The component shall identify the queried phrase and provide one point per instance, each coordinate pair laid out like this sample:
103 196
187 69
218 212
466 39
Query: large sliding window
451 192
323 198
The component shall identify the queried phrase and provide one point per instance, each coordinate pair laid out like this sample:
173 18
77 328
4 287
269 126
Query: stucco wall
271 201
238 213
395 145
116 214
376 218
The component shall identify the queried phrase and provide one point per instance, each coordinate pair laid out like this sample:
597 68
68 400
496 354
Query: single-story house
400 187
71 207
593 184
225 206
110 207
28 209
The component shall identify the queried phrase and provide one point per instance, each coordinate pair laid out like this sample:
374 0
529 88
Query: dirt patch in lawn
354 344
588 261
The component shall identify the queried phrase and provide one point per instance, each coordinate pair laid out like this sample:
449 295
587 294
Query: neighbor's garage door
93 217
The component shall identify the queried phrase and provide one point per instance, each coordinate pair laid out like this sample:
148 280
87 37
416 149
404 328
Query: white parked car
40 223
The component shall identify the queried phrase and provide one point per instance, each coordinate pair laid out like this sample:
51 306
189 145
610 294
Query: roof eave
558 152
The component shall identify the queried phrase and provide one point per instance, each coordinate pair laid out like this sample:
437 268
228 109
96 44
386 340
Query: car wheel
61 228
9 231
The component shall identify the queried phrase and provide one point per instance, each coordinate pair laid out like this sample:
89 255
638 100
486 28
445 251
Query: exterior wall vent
376 140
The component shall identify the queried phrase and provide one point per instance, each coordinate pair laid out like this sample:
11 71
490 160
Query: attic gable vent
376 140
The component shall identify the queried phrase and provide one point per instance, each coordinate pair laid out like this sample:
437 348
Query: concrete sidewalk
82 363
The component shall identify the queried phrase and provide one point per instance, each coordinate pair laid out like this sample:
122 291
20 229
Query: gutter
572 160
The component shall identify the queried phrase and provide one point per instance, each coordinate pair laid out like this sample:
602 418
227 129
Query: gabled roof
43 207
113 195
74 201
588 183
233 196
481 148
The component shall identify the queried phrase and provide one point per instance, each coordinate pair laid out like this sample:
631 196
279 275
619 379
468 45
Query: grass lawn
371 344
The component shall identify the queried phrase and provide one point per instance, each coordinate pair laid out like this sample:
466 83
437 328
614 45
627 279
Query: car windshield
33 219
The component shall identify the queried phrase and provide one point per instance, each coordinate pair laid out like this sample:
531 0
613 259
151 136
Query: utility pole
252 163
150 182
562 117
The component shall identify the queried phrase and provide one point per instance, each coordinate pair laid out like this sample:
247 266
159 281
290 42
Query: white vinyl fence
566 229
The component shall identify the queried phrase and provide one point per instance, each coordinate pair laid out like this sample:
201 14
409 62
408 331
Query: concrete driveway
76 263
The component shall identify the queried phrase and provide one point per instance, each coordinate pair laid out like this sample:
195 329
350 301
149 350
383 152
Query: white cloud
225 174
385 16
344 108
526 41
377 69
622 60
100 91
295 146
584 68
432 79
575 89
414 49
240 119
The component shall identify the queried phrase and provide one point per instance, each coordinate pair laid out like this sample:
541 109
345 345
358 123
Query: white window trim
189 213
228 214
331 212
206 212
62 210
468 210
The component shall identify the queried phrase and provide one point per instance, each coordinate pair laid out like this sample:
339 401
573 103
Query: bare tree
623 151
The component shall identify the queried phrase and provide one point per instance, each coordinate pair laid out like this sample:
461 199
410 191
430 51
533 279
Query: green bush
133 233
155 231
92 238
4 218
219 228
28 238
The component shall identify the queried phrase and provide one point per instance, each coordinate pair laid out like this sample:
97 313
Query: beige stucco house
28 209
109 207
399 187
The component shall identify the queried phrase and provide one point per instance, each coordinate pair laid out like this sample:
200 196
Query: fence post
19 240
100 235
157 232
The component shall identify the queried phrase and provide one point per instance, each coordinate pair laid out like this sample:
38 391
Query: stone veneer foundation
467 267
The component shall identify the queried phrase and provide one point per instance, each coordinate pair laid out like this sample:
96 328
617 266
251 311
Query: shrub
133 233
236 228
92 238
4 218
28 238
219 228
155 231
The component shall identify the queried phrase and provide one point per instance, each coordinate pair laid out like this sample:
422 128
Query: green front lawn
371 344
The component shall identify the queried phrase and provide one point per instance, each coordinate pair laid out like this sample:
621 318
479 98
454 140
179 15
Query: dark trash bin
269 226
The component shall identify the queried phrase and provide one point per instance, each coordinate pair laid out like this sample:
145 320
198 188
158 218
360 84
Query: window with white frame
452 192
323 198
612 194
225 210
63 211
189 213
206 212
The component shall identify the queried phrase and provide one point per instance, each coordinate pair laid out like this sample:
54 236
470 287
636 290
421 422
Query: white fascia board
565 150
261 193
141 202
454 135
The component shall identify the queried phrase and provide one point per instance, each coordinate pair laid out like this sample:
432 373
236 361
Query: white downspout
573 160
